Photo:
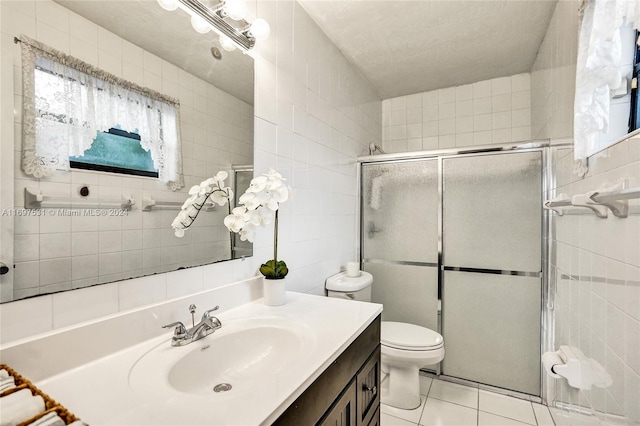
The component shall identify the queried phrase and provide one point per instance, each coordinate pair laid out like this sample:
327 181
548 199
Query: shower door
492 262
399 231
461 236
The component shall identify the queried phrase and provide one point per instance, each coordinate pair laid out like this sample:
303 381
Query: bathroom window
604 66
116 151
70 111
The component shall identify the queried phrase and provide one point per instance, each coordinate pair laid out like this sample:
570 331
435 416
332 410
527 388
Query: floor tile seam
424 407
478 409
451 402
534 415
511 418
400 418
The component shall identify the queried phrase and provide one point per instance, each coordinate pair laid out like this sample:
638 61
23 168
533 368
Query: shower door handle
3 268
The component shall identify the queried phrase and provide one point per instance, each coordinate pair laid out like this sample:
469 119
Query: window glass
116 151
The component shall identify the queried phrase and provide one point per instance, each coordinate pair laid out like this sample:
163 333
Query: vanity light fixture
205 18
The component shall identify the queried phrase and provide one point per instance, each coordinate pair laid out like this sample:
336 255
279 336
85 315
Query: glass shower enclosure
454 243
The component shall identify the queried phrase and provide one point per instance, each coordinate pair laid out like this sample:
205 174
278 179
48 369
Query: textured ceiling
406 47
170 36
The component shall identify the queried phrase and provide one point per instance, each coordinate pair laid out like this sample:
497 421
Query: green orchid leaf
274 271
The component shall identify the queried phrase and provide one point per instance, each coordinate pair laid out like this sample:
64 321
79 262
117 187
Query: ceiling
170 36
400 46
406 47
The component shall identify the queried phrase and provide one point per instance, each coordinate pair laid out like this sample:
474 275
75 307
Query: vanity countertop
100 392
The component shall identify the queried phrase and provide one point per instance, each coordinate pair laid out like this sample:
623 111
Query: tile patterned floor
451 404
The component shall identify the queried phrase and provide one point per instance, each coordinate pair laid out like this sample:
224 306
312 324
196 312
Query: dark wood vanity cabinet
347 393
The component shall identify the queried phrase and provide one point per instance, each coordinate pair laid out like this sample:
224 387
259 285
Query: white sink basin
224 364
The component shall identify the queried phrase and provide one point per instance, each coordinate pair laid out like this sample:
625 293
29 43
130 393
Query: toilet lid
402 335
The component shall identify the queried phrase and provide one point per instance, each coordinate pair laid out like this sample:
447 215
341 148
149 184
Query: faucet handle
180 329
206 314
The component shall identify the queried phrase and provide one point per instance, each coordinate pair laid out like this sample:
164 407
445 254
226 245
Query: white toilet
405 347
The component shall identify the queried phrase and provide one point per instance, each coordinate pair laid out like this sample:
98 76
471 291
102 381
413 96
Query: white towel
15 397
7 383
4 374
78 423
20 408
50 419
376 192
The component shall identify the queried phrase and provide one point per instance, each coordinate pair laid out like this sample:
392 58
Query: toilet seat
410 337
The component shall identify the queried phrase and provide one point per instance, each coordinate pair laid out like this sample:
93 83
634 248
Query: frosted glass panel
492 211
491 329
400 211
408 293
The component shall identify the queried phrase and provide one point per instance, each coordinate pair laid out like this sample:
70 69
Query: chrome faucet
207 325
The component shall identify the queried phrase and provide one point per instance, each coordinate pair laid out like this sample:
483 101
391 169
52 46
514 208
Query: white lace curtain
598 68
66 102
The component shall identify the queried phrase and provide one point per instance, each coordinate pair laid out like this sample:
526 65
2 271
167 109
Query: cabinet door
343 412
368 388
375 420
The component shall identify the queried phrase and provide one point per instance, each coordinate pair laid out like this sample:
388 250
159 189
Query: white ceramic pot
274 292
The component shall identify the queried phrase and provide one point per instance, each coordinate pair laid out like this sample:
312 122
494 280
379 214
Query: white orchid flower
257 184
221 196
272 204
221 176
177 223
281 194
260 217
237 219
212 188
248 233
273 175
187 203
249 200
195 190
208 185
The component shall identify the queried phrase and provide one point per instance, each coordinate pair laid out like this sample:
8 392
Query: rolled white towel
7 383
49 419
15 397
4 373
21 409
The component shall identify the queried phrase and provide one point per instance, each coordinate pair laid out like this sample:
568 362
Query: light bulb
260 29
226 43
236 9
199 24
168 4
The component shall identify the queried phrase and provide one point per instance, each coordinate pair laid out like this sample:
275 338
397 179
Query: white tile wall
595 270
315 113
553 76
115 247
482 113
336 114
596 282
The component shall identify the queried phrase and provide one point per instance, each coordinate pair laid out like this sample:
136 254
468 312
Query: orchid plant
259 206
212 189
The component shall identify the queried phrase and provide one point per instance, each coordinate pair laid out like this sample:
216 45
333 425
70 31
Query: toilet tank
353 288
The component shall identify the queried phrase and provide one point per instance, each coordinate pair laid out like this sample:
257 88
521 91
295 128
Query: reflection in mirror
81 240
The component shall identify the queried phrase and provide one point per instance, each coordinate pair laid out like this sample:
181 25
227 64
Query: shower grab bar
614 199
149 204
616 195
557 204
35 199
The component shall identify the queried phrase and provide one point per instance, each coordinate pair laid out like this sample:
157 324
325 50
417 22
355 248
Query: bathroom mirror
77 242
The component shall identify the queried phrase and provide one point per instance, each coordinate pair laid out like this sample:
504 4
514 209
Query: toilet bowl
405 349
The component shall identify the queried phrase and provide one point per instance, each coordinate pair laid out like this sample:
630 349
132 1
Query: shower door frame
547 178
